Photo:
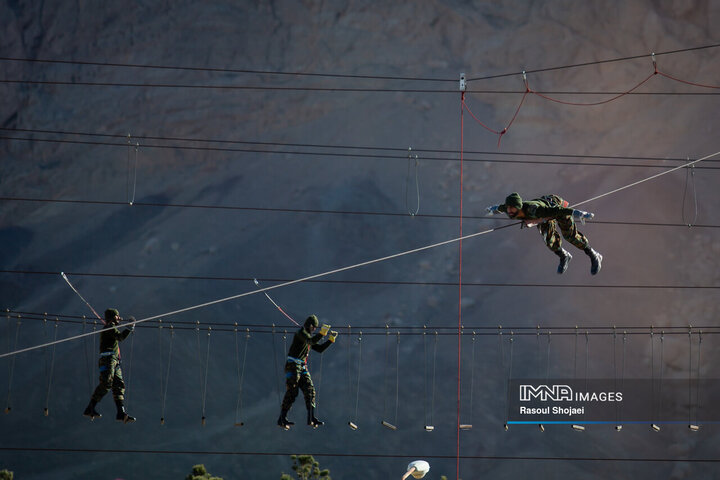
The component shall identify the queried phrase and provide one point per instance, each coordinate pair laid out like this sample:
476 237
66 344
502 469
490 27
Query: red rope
578 104
687 82
462 130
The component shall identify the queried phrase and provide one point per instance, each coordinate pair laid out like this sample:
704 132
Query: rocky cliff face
85 225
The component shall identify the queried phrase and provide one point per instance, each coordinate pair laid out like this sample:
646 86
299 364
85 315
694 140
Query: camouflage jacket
303 342
110 339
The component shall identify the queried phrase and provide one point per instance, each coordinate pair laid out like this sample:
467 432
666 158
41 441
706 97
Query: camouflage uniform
109 364
297 375
546 212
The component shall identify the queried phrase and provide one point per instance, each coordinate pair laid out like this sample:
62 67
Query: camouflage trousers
569 231
110 378
298 377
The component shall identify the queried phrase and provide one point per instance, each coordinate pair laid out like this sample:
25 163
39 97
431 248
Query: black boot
122 415
283 421
565 258
90 411
596 260
312 421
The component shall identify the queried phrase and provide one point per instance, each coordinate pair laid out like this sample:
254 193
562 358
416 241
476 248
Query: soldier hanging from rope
110 371
296 372
546 212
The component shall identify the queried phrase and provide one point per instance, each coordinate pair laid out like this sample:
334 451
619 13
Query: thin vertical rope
207 366
164 384
88 366
432 403
459 360
690 174
690 376
241 370
507 383
652 375
697 384
357 395
349 369
397 376
50 373
425 375
472 377
12 366
662 361
385 389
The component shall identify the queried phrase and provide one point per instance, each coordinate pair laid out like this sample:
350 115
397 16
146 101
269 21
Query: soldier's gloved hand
333 336
582 216
132 326
493 210
324 329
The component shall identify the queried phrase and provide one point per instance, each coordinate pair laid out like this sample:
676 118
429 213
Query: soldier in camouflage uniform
110 371
297 375
546 212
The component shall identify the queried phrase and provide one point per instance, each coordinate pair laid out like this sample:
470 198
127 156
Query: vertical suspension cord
425 375
46 411
167 377
622 371
697 384
462 145
432 403
690 376
509 377
614 363
472 376
12 365
357 395
662 361
652 377
397 376
207 366
385 389
349 369
241 371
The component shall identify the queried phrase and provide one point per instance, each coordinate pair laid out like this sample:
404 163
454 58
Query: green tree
198 473
306 468
6 474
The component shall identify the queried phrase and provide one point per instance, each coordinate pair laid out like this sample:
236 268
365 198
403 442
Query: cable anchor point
652 56
463 83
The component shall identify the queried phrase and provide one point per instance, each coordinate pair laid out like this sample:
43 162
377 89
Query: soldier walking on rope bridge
297 375
546 212
110 371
